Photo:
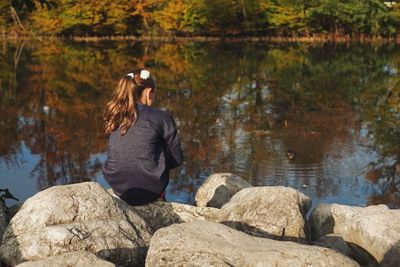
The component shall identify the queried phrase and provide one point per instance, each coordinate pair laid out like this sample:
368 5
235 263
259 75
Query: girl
143 144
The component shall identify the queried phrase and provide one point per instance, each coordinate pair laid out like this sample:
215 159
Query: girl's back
139 160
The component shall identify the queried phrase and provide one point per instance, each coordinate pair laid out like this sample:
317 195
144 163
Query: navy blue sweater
138 163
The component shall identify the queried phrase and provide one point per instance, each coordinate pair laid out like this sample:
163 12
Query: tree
84 17
11 11
350 17
285 17
182 16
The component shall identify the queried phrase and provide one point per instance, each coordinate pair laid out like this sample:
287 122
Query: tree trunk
16 19
146 25
3 33
17 55
4 51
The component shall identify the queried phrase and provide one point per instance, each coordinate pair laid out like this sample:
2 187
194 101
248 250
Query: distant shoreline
227 38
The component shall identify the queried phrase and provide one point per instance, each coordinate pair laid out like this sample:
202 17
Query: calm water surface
239 107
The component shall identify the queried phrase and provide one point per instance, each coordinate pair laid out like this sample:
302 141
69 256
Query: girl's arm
174 155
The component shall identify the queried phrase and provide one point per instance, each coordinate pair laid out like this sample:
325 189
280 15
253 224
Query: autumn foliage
351 18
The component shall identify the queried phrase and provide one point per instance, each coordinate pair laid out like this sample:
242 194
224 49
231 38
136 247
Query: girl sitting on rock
143 144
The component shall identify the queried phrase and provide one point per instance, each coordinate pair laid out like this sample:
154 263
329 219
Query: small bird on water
291 154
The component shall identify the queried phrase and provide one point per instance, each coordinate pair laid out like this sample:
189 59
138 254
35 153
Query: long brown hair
121 112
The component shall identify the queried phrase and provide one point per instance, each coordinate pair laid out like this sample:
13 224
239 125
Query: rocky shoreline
232 224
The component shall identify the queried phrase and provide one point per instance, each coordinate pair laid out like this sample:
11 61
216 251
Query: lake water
239 107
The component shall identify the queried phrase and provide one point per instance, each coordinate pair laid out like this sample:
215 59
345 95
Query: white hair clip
131 75
144 74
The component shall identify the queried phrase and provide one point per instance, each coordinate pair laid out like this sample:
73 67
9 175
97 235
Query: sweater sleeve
174 155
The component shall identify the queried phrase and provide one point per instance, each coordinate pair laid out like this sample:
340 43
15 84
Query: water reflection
240 107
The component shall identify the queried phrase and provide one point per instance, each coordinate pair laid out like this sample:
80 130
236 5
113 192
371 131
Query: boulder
76 217
213 244
218 189
270 211
369 231
70 259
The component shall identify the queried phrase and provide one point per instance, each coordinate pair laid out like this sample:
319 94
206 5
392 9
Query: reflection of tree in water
305 108
306 132
64 152
388 179
192 85
384 126
10 148
325 104
59 122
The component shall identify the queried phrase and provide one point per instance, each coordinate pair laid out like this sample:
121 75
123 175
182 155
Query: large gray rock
76 217
213 244
373 229
271 211
218 189
70 259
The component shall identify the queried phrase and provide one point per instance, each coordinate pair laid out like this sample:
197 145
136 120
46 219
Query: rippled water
239 107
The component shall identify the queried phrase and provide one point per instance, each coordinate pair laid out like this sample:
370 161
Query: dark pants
139 196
